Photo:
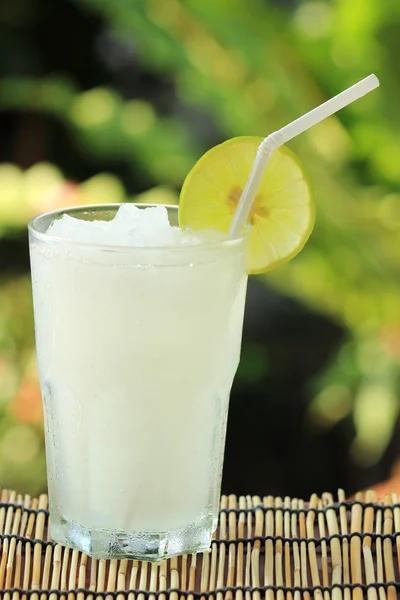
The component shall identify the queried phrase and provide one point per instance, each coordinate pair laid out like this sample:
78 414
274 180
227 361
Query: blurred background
105 101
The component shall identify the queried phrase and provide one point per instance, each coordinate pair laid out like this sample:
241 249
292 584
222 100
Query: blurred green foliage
245 67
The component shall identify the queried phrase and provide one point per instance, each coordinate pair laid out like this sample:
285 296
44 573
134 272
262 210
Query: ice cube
127 216
145 226
79 230
71 228
153 218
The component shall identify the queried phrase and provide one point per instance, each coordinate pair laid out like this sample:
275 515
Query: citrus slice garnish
282 216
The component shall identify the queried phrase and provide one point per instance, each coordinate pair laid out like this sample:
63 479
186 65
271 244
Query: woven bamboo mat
264 548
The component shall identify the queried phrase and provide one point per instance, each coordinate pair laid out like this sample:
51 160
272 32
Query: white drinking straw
280 137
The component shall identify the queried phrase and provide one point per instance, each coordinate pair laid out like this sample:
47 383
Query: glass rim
45 237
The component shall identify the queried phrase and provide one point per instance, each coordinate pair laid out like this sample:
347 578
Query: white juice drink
138 331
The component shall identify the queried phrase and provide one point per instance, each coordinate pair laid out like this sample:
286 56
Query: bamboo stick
287 552
133 579
396 515
46 568
18 566
13 544
312 553
255 553
345 544
101 575
11 560
112 577
143 579
324 550
223 531
37 550
387 547
55 578
296 552
303 550
93 574
192 575
213 567
174 574
355 547
379 556
82 575
336 555
28 546
73 572
366 545
230 579
163 578
279 547
247 577
269 561
18 558
240 549
7 549
153 580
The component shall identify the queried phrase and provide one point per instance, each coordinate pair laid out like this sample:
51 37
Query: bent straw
280 137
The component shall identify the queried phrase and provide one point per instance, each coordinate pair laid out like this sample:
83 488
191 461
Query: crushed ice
131 226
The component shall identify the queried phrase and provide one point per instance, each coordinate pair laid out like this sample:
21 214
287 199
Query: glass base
103 543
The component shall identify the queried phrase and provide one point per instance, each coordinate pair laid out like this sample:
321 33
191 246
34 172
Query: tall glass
137 349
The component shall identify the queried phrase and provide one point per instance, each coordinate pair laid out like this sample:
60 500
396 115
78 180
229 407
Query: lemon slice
282 216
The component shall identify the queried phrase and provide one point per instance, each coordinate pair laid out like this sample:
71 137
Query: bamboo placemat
264 548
